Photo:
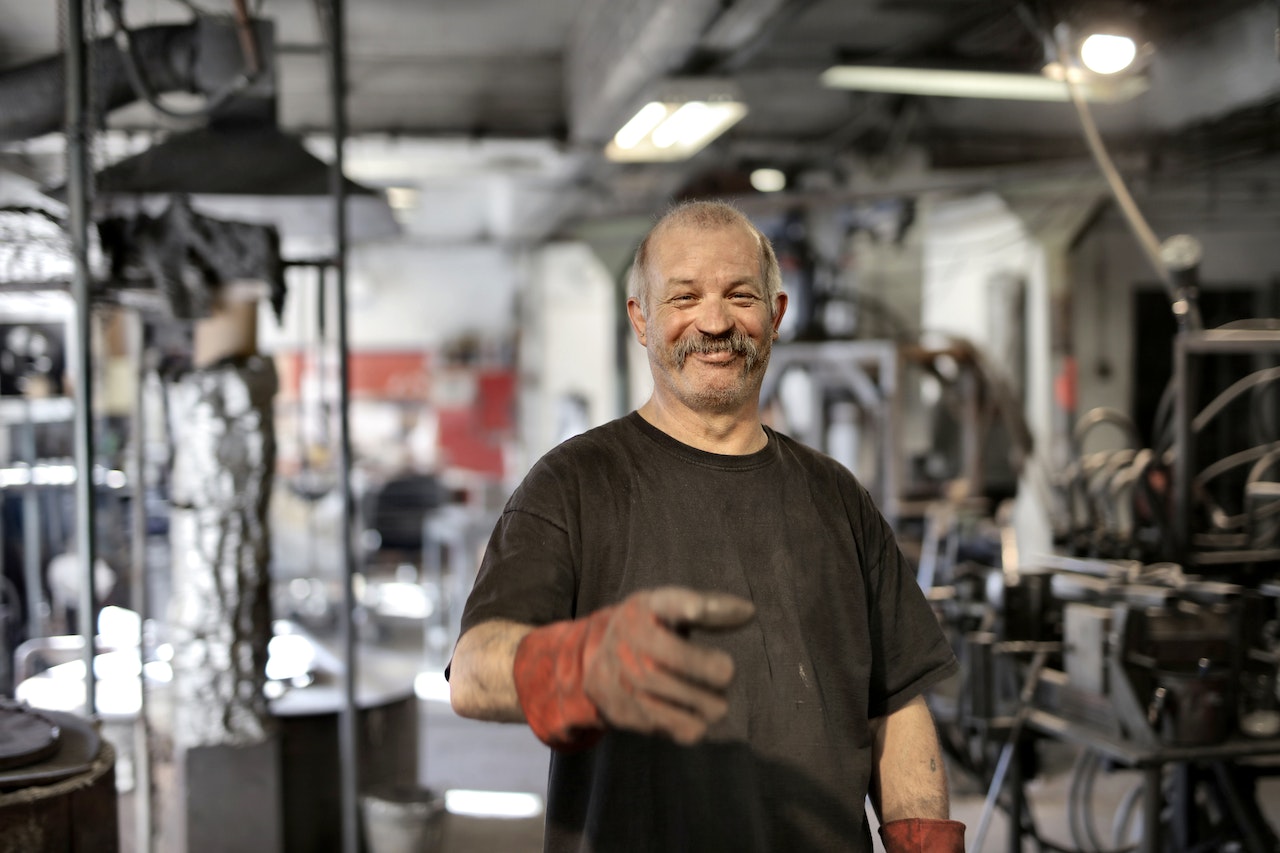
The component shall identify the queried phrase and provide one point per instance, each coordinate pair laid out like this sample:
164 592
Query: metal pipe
78 177
139 600
1007 755
348 747
32 574
248 44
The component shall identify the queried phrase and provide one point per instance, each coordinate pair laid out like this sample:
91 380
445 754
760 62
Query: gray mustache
736 342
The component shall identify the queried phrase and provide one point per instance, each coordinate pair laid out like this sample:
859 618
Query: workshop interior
293 293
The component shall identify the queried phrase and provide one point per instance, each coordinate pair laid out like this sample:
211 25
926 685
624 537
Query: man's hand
629 666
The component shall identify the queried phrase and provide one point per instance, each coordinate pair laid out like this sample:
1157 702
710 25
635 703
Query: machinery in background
1150 642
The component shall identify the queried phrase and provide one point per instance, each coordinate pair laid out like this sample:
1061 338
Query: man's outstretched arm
626 666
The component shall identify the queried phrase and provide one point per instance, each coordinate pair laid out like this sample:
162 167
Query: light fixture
1095 50
677 121
1107 53
977 84
767 180
252 173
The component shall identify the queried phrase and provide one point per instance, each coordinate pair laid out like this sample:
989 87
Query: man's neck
731 434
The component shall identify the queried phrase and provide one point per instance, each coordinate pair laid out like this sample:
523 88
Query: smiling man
709 623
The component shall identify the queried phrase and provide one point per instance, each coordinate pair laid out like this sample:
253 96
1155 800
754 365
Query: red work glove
627 666
922 835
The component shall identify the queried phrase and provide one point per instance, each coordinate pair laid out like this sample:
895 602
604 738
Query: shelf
41 410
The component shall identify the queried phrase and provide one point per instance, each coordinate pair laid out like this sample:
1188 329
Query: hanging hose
1147 240
1080 818
1124 814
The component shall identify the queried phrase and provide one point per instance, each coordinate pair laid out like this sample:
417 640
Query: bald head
701 216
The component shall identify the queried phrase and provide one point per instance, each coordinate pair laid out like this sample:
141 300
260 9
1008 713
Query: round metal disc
26 736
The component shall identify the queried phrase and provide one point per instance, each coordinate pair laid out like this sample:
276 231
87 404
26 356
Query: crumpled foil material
220 610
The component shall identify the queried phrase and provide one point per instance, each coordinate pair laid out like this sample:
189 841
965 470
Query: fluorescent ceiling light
677 122
641 125
976 84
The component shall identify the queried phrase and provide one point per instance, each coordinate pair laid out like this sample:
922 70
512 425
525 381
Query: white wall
972 247
567 347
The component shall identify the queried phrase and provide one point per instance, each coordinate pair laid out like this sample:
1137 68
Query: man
710 624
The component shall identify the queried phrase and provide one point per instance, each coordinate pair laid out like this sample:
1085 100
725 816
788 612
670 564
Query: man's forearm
909 778
481 682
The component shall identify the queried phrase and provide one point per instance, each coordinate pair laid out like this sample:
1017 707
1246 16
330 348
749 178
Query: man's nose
714 318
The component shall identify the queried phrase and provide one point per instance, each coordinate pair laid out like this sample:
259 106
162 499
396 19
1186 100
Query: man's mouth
715 357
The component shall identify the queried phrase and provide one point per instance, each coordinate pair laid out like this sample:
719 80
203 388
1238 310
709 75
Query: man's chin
718 398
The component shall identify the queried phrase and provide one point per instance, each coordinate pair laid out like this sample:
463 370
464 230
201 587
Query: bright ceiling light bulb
1107 54
768 180
640 124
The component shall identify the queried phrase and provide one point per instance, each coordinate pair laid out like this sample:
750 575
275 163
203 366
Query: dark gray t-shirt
842 634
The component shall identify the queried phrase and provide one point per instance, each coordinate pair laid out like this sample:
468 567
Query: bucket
403 819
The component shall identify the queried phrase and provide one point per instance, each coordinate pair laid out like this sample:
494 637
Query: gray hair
702 215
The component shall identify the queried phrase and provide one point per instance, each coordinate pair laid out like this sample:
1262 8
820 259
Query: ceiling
500 108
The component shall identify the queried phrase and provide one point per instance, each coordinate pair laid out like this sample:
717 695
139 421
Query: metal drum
57 784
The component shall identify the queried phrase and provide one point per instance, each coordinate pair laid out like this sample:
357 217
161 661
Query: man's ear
638 322
779 308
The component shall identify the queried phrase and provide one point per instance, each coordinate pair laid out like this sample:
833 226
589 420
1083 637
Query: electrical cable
1209 412
1080 817
1100 415
1074 822
1124 813
1234 460
1162 434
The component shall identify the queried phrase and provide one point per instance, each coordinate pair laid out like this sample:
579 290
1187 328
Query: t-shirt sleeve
527 573
911 652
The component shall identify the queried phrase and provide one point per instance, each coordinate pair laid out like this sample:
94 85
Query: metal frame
871 371
1188 345
1150 760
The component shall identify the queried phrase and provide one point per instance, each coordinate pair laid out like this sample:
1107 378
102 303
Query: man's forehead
680 244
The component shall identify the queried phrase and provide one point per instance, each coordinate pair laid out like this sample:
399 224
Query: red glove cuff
922 835
549 676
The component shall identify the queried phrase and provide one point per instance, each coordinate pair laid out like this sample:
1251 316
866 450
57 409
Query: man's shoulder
603 440
599 448
576 468
809 456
